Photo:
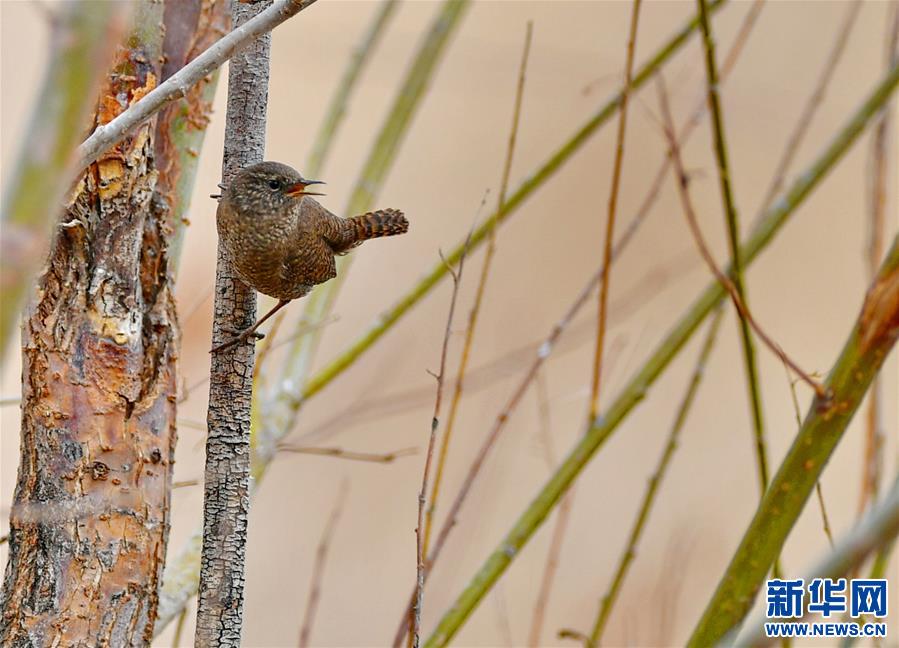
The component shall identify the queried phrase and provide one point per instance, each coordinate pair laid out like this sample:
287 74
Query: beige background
806 290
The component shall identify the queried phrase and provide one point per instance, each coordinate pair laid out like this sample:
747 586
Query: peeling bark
89 523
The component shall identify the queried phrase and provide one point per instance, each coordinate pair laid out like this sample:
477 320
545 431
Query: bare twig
179 625
610 219
532 517
180 83
321 557
479 295
880 163
555 544
811 106
733 239
502 418
724 280
627 556
435 422
340 453
798 414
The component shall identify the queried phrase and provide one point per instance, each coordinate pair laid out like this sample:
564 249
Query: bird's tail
384 222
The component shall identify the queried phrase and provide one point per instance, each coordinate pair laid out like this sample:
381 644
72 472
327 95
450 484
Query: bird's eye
274 184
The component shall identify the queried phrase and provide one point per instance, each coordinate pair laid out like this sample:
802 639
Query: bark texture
89 522
227 475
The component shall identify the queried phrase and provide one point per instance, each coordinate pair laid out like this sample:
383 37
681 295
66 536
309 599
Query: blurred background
805 290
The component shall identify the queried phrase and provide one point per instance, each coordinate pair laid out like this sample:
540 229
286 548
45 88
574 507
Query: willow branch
680 419
534 515
875 531
733 239
610 218
726 281
479 297
871 340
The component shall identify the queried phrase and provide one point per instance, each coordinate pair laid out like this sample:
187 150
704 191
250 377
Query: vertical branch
880 163
733 232
435 422
479 294
610 219
226 490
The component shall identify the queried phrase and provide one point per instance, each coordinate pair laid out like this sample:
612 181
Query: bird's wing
310 261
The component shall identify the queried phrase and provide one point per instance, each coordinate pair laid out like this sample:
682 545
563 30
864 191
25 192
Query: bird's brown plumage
282 244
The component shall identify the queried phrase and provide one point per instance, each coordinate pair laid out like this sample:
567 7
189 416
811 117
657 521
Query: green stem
733 239
533 516
869 343
387 319
643 514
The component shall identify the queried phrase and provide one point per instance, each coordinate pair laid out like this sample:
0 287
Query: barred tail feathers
383 222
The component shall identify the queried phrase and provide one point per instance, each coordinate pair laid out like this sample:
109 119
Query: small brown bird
281 241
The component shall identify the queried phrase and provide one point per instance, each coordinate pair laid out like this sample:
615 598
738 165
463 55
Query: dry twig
435 422
683 181
321 557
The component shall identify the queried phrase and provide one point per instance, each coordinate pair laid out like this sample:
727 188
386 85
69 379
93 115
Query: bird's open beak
299 189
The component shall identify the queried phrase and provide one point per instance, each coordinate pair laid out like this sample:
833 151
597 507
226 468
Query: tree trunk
90 519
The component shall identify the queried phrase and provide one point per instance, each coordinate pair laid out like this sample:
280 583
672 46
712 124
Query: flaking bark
226 497
89 522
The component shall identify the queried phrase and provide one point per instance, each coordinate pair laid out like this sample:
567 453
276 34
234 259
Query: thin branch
340 453
179 626
435 423
726 282
825 520
634 392
610 218
337 108
387 319
872 338
479 294
880 163
733 239
543 352
227 474
680 419
555 544
815 100
321 557
178 85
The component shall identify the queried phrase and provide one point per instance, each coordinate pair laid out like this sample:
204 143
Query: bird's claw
240 336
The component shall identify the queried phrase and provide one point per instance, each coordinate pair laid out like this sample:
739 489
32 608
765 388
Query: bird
281 241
